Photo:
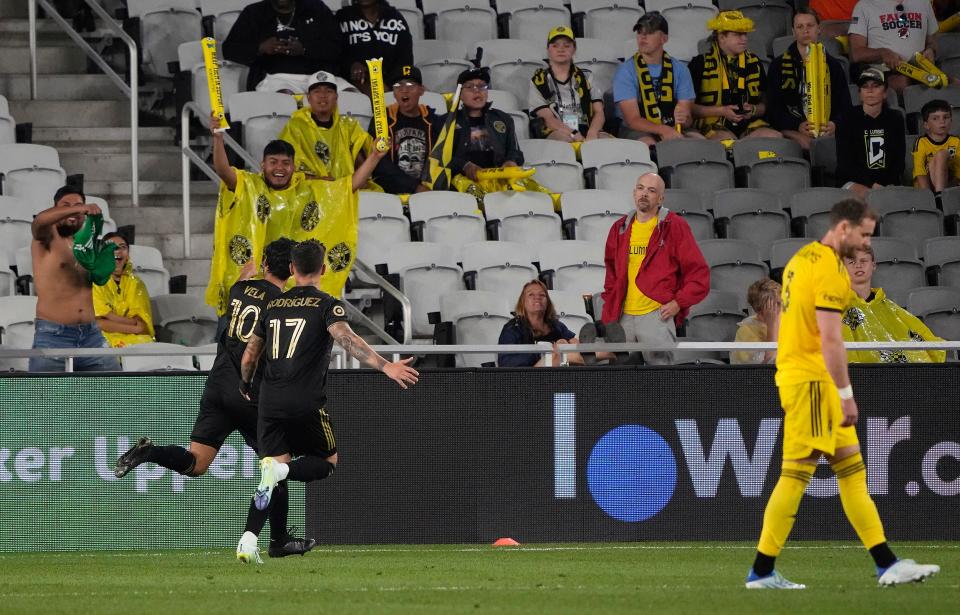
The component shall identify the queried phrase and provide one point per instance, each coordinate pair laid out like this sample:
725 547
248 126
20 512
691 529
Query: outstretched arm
248 364
365 170
221 164
398 371
48 218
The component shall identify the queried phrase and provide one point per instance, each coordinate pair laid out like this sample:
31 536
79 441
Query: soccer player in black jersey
295 335
223 410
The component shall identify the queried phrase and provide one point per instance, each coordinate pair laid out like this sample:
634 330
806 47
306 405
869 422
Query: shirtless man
65 316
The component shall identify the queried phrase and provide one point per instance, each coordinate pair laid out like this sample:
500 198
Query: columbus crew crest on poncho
310 216
241 249
339 257
323 150
854 318
263 208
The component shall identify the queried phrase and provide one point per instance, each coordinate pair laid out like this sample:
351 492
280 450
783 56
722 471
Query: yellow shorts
812 421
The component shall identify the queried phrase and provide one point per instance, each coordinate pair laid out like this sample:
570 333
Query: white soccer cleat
771 581
268 480
247 550
907 571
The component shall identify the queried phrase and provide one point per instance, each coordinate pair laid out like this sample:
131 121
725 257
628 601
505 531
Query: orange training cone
506 542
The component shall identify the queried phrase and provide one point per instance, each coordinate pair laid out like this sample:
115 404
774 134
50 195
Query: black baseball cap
408 73
651 22
482 73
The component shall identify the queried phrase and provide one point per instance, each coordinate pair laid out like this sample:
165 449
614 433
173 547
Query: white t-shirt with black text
884 27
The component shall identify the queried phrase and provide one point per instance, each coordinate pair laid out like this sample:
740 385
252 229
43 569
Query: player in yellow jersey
818 402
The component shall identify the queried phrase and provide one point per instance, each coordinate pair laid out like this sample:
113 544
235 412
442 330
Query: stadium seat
414 16
589 214
910 214
715 319
571 265
531 21
782 250
950 199
183 319
381 225
233 77
31 172
357 106
263 114
615 163
512 64
478 318
600 60
689 205
159 362
610 19
223 13
555 162
447 218
24 262
810 210
427 271
205 361
433 100
499 266
456 20
8 280
694 164
522 216
734 264
8 125
939 308
941 256
570 309
17 315
915 96
899 270
773 164
164 26
751 214
16 218
148 266
771 18
440 62
688 24
823 161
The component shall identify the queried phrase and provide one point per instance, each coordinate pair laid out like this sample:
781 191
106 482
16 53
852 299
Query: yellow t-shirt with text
815 278
636 303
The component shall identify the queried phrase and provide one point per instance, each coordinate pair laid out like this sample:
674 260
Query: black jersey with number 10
248 298
296 349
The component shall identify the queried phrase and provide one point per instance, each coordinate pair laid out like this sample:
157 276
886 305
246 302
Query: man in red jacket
655 271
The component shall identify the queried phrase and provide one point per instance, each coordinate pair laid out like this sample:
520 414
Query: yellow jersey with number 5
814 279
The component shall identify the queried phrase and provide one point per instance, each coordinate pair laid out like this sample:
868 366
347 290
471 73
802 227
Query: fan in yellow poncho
327 144
122 305
253 209
871 317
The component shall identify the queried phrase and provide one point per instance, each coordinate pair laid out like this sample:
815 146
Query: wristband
846 392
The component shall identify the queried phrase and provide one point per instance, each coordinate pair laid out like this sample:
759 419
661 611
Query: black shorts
223 411
309 433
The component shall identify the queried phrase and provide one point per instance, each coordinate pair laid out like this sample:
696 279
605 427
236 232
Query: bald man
655 271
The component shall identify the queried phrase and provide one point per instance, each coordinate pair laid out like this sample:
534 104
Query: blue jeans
49 334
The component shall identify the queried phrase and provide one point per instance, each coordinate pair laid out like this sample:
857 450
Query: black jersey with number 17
296 350
248 298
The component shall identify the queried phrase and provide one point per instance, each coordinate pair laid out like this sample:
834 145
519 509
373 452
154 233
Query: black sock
763 564
279 507
177 458
256 518
883 556
306 469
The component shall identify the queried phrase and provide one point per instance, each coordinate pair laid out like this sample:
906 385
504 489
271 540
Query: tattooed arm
398 371
248 364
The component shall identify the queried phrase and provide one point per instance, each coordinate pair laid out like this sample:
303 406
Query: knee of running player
202 458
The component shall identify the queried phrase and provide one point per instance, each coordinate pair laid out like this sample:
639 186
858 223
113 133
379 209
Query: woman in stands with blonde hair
535 321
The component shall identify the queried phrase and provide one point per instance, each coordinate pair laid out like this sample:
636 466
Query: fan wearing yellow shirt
818 403
936 165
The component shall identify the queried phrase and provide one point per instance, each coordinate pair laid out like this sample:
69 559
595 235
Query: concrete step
162 220
171 244
56 136
165 194
13 8
51 59
71 113
63 86
197 270
108 163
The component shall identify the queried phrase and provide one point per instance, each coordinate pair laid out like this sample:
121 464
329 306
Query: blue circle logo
632 473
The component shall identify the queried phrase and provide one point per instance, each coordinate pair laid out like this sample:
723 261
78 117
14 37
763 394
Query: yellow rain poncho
129 299
882 320
326 152
254 215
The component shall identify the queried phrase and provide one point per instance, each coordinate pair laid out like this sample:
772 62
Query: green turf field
582 578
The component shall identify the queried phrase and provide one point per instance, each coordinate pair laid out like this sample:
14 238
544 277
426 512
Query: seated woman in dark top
536 321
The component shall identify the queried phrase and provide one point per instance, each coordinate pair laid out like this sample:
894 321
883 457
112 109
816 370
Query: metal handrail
406 308
131 91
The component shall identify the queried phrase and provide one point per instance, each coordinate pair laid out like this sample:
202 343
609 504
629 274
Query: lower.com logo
632 473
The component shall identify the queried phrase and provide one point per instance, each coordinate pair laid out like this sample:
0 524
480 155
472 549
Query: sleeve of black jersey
334 313
260 328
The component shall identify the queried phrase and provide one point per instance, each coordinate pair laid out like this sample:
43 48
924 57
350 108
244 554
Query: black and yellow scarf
656 106
580 85
727 81
792 80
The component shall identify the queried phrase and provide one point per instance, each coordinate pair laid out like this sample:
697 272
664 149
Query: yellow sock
857 503
782 508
